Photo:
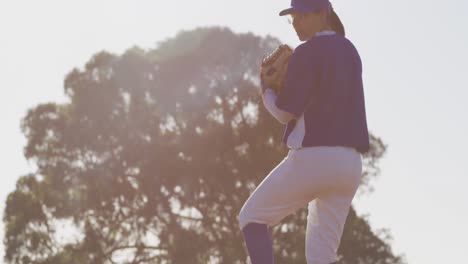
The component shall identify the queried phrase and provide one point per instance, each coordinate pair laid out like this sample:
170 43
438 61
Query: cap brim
286 11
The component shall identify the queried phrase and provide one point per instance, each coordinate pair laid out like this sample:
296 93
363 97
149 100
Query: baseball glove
274 67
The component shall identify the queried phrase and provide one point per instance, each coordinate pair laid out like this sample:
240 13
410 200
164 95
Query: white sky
415 63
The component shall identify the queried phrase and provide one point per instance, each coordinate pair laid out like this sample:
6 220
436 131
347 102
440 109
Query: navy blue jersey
324 90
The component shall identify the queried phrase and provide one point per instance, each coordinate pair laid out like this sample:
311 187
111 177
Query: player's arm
301 83
269 101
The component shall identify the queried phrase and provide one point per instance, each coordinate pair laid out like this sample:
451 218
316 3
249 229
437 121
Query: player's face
306 25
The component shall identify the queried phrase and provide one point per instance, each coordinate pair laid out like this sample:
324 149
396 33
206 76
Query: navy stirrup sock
259 243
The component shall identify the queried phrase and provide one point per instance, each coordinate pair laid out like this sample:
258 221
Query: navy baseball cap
305 6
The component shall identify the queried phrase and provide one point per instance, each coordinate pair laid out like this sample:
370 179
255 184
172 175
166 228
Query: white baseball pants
324 177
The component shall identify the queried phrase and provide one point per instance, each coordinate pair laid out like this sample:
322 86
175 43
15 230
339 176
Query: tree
153 157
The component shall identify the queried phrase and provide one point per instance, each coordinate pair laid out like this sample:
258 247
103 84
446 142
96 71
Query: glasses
291 17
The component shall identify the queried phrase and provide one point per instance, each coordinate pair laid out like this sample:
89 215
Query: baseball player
322 106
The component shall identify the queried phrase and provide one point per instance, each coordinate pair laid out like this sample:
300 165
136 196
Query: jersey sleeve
301 82
269 99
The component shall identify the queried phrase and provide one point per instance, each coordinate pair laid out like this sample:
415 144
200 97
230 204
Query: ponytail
335 23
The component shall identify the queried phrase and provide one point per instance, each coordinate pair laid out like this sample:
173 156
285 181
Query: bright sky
415 63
